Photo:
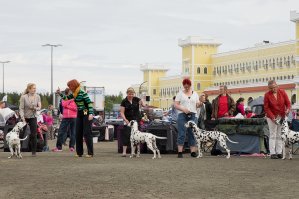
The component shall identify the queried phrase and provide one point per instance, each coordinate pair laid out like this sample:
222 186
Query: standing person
30 103
240 106
68 124
129 110
201 112
276 103
208 106
223 105
48 120
173 112
84 117
186 103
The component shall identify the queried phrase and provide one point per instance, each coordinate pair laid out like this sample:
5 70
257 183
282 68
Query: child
48 119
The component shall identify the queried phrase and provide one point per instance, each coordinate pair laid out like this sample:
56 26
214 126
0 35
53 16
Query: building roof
197 40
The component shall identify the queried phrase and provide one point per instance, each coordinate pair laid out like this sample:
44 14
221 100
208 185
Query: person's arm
22 108
213 108
179 107
89 104
39 104
122 114
267 109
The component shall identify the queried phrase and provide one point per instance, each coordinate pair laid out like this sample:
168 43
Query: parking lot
107 175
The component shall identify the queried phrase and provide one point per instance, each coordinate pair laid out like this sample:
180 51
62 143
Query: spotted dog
13 140
288 137
203 136
138 137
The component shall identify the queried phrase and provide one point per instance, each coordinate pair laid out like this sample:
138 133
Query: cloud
105 41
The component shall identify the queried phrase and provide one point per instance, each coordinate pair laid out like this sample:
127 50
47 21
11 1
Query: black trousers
83 129
125 136
32 122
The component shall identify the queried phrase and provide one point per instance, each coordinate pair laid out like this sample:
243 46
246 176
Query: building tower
197 60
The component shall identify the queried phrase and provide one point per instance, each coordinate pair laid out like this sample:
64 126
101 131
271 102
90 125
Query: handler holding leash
186 102
30 103
276 103
85 116
129 110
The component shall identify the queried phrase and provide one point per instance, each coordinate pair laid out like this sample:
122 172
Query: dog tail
162 138
231 141
24 138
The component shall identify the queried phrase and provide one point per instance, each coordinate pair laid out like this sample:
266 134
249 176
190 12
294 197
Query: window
154 91
205 70
198 70
198 86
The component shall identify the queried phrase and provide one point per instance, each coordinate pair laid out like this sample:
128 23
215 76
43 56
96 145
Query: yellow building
245 72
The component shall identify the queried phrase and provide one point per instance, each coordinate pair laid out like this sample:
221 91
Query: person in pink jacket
69 112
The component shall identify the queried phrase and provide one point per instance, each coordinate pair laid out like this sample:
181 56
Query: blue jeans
65 125
182 120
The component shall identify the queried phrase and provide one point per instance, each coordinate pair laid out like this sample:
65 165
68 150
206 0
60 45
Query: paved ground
107 175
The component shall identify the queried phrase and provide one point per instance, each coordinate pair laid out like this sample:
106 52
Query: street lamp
3 62
52 46
140 87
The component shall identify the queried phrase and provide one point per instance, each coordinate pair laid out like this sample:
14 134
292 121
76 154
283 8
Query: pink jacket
48 119
69 108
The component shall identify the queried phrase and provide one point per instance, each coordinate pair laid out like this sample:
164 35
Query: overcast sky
105 41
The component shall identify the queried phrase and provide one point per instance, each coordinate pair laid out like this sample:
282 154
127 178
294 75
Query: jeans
65 125
182 120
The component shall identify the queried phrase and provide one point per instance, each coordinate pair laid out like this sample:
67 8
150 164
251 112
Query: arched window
205 70
198 70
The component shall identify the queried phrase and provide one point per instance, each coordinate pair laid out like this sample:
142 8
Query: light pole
3 62
140 87
52 46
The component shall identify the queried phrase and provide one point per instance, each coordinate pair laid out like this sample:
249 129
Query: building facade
245 72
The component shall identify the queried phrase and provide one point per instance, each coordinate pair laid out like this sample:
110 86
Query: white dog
203 136
13 140
138 137
288 137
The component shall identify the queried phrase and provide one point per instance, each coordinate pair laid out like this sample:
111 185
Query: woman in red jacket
276 103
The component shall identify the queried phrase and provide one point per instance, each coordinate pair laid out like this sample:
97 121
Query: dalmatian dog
138 137
13 140
288 137
203 136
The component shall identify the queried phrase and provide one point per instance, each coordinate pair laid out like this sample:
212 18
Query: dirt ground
107 175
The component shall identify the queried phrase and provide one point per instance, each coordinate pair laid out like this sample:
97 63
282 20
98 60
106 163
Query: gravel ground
107 175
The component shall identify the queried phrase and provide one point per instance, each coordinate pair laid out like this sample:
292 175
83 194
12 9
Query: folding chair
295 127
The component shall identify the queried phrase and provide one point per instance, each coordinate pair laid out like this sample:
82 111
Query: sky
105 41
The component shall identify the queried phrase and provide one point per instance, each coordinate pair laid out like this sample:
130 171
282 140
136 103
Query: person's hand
126 121
287 111
185 110
90 117
23 119
60 116
226 114
212 118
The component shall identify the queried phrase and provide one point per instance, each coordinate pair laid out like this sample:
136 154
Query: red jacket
274 107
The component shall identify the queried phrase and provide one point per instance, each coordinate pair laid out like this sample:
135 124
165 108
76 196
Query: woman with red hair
186 102
84 117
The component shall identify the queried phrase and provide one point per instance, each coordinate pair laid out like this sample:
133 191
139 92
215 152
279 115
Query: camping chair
295 127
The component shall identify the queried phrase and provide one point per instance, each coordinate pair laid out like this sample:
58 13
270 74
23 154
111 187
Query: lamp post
3 62
140 87
52 46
